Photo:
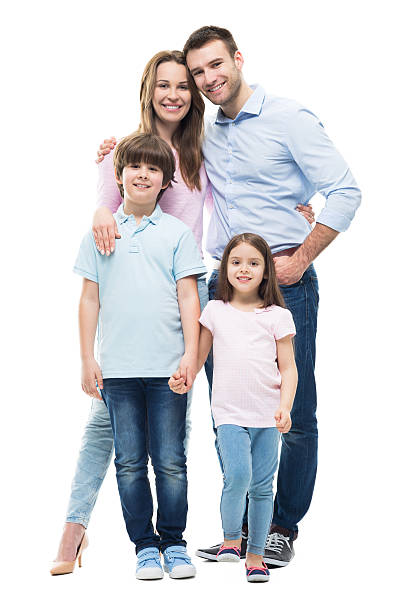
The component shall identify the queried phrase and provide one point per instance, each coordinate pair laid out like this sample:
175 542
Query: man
263 155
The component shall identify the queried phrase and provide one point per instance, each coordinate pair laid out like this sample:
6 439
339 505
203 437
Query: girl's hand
307 212
177 383
105 148
187 369
91 374
283 420
105 230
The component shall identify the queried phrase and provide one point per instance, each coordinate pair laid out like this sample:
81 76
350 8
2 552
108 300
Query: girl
254 384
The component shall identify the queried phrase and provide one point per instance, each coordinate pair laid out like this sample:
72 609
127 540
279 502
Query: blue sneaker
148 564
177 562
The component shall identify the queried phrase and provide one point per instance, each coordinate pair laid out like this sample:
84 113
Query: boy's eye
153 169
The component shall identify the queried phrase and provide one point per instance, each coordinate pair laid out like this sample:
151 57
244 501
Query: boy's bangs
146 154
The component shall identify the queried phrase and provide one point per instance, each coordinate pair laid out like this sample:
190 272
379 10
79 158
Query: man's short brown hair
201 37
148 149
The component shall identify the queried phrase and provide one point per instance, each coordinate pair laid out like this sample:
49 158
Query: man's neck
166 131
138 210
232 109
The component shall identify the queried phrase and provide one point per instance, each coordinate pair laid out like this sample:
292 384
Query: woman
172 108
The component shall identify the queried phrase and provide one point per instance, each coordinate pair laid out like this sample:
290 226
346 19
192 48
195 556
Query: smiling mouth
141 186
216 88
244 279
171 107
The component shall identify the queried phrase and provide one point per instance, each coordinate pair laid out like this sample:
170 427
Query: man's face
217 75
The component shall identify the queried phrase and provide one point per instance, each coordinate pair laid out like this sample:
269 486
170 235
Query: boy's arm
188 302
288 371
176 382
88 319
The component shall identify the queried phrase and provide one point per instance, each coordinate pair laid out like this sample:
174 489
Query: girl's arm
188 302
88 319
288 371
108 201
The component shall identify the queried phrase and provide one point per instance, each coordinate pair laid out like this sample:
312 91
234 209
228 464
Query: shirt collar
153 218
252 106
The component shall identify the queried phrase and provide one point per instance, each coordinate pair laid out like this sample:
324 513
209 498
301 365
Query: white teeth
171 107
216 88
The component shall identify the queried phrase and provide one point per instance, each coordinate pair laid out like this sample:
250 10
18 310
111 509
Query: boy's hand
177 383
104 148
91 373
188 368
105 230
283 420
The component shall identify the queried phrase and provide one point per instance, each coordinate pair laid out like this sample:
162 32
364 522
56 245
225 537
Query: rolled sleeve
324 167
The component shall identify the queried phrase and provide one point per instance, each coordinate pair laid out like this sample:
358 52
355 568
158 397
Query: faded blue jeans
299 451
249 457
96 450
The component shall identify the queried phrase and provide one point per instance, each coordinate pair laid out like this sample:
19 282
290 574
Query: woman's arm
88 319
108 201
288 371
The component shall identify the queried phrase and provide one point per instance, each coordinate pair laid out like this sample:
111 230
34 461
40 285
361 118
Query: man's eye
254 263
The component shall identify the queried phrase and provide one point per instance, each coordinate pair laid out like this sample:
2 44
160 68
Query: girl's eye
235 262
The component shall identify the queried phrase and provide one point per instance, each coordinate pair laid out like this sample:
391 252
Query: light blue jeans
96 449
249 457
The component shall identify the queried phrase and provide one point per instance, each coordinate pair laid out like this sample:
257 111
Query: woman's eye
184 87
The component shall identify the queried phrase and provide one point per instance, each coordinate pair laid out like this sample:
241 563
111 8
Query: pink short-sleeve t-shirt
246 379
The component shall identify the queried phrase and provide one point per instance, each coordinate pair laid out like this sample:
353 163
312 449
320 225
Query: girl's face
171 98
246 268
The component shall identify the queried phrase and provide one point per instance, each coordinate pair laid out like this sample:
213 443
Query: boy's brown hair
268 290
201 37
148 149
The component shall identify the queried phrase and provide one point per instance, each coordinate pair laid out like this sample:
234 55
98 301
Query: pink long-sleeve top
177 200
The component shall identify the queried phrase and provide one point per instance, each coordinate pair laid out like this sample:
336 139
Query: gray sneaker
278 550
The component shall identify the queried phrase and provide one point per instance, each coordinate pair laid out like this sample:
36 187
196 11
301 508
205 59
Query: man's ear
238 59
117 178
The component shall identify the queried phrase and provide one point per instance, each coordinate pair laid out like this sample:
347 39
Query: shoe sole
275 562
181 572
257 578
228 557
149 575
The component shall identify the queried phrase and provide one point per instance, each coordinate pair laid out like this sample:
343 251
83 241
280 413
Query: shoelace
275 542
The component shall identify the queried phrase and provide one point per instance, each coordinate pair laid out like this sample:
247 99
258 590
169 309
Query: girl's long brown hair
188 137
268 290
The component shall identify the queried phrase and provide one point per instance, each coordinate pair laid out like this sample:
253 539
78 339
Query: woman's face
171 97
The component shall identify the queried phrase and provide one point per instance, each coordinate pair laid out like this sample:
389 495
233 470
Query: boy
148 306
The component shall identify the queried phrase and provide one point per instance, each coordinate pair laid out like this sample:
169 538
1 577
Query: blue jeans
249 457
97 449
148 419
299 452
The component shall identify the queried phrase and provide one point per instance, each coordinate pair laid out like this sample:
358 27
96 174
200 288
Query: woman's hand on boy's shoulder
105 148
91 378
105 230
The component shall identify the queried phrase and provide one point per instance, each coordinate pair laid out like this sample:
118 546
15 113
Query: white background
70 78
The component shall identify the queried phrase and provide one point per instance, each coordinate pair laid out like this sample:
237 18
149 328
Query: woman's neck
166 131
246 301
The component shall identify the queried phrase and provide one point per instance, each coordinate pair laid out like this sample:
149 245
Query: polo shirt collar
252 106
153 218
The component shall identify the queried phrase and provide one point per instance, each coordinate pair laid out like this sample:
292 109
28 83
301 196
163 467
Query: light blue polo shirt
139 329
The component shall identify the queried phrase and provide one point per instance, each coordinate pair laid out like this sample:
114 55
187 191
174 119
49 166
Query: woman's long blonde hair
188 137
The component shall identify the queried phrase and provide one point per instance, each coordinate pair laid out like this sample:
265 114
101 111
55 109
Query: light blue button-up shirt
140 332
274 155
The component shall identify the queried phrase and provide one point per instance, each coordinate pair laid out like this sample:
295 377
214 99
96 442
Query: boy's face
141 182
217 75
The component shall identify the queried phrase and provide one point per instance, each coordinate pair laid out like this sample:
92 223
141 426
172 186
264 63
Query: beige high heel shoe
67 567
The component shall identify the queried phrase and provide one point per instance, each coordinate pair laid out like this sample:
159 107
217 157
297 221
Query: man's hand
283 420
177 383
188 368
91 374
105 148
289 269
105 230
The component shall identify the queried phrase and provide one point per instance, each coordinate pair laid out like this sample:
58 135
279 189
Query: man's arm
188 302
88 319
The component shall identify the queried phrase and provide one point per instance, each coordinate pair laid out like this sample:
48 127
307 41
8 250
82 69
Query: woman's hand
306 211
91 378
105 148
283 420
105 230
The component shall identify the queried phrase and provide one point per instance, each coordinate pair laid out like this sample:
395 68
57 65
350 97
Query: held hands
283 420
181 381
91 374
105 148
